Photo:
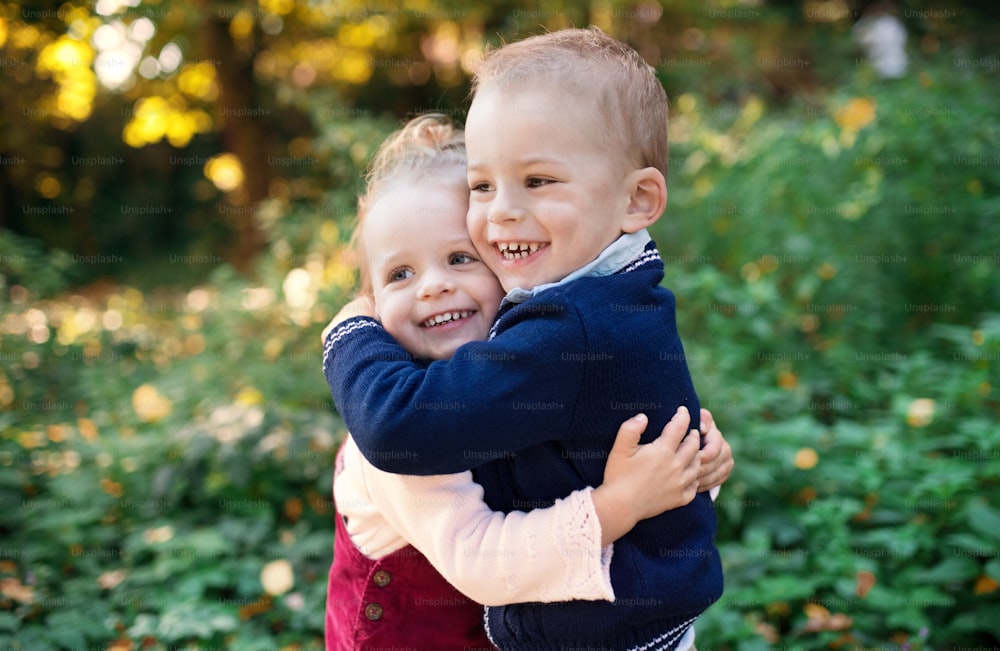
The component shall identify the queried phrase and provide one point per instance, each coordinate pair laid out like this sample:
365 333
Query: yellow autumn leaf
156 535
6 392
273 348
986 585
277 577
767 631
866 580
14 589
249 396
788 380
255 608
111 579
58 433
279 7
150 405
827 271
806 458
225 171
293 509
920 413
816 611
198 80
32 439
88 429
241 26
112 488
777 609
856 114
820 619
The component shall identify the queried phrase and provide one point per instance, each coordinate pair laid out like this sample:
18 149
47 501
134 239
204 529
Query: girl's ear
647 199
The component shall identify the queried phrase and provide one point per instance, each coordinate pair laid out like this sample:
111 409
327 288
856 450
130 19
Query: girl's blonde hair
426 149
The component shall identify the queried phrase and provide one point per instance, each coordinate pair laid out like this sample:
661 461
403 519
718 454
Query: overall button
373 612
381 578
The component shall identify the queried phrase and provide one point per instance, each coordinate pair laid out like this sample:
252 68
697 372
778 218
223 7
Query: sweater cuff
579 540
344 329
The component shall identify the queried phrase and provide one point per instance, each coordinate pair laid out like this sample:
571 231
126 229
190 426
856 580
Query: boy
567 150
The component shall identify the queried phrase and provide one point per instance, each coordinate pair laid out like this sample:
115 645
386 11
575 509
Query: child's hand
641 481
716 457
363 305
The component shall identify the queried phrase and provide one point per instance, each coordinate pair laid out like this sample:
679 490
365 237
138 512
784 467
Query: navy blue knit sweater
534 411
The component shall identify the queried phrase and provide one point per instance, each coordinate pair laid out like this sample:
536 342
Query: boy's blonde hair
424 150
589 61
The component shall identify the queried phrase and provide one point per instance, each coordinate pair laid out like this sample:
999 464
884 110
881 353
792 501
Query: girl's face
432 292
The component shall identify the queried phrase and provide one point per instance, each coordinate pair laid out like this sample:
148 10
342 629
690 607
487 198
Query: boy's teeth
515 250
446 317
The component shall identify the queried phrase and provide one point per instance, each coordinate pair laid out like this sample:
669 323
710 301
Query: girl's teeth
446 317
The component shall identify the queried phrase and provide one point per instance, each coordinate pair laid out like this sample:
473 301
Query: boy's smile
518 251
548 193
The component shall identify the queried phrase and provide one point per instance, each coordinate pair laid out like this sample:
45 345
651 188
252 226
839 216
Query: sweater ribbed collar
611 260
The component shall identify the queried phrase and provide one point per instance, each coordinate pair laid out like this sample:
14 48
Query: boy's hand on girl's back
363 305
641 481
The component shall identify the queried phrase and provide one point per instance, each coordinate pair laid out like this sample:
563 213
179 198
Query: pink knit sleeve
549 554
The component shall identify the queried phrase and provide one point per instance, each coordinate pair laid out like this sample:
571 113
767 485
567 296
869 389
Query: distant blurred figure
882 36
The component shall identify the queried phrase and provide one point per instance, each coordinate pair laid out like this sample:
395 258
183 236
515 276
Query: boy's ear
647 199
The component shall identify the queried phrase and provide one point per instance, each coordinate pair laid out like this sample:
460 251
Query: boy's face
432 292
546 196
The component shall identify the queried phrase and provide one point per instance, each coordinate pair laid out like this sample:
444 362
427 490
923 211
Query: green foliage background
167 439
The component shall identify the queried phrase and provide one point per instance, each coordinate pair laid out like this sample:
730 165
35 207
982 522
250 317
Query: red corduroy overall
398 602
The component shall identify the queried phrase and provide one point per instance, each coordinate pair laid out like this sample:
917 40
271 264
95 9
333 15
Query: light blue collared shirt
612 259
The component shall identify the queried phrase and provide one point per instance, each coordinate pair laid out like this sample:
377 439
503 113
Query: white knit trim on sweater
667 639
340 332
686 643
486 625
643 258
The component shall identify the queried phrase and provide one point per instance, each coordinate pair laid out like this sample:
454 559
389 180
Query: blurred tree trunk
242 131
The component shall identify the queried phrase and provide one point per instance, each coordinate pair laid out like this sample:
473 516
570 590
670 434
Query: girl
401 539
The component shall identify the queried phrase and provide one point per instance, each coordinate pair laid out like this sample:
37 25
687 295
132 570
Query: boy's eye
536 182
480 186
462 258
397 275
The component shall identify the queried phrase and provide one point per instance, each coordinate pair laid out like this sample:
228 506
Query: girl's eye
481 186
462 258
536 182
397 275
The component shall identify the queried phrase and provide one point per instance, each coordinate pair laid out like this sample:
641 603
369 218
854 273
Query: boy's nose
505 207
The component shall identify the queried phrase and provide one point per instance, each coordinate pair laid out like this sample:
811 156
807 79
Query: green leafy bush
166 453
835 266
